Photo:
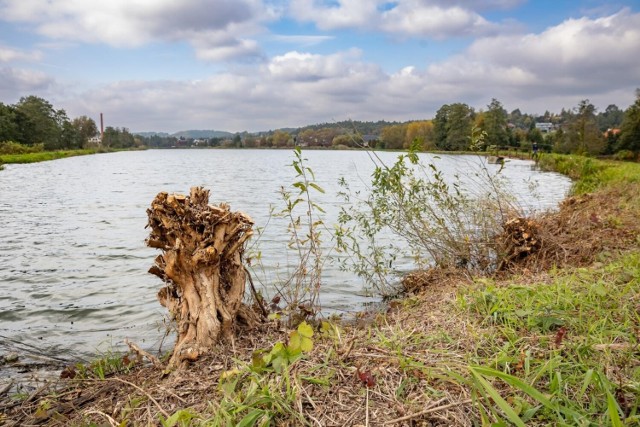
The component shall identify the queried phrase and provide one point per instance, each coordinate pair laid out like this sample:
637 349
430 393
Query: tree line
34 122
580 130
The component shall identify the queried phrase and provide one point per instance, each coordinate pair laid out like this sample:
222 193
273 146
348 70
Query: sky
256 65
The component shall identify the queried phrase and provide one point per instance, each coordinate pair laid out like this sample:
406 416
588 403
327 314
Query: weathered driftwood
201 264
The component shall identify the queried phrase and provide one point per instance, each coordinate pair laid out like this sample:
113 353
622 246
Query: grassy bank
42 156
554 342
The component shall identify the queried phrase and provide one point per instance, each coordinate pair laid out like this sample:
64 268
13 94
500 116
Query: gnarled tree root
201 264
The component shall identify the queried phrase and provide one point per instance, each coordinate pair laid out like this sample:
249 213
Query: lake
73 262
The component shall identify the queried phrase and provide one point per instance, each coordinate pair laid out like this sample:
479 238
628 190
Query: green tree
495 124
534 135
441 127
611 118
110 137
70 137
85 128
40 122
582 134
452 126
9 130
630 129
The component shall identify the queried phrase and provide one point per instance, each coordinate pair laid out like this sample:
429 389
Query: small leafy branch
266 389
301 290
443 222
284 354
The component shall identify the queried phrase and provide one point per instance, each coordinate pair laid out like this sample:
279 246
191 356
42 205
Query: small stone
10 358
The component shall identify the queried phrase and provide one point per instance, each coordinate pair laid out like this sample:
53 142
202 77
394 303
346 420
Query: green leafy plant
260 392
283 355
441 222
181 417
300 290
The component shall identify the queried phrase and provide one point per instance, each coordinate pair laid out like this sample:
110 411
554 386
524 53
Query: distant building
370 140
95 140
544 127
613 132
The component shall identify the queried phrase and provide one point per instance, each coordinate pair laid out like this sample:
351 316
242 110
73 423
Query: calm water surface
73 263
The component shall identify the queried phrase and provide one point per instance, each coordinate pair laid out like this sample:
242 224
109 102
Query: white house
544 127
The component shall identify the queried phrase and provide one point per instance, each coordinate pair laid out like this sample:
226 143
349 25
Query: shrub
11 147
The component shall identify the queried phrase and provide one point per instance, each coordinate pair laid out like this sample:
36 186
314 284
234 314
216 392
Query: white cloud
412 17
554 69
16 82
346 14
123 23
577 56
8 54
420 18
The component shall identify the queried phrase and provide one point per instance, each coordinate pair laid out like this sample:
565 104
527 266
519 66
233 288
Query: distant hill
148 134
199 134
193 134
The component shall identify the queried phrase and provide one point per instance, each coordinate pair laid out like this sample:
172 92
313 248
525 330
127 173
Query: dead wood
202 266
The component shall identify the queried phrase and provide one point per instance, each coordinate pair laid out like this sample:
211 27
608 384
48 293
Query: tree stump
201 264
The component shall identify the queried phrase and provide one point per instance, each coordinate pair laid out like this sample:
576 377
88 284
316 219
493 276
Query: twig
309 398
173 394
427 411
613 346
255 293
36 393
366 409
166 415
113 422
318 422
156 362
6 388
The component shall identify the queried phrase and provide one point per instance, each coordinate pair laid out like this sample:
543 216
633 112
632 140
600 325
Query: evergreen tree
630 129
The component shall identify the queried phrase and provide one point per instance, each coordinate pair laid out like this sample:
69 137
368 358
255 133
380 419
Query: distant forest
34 124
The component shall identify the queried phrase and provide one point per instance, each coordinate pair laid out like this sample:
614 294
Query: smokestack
101 126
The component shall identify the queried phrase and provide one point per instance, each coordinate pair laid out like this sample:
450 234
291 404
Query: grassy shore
555 341
42 156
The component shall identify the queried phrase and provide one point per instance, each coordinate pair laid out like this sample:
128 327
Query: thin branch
155 402
427 411
113 422
156 362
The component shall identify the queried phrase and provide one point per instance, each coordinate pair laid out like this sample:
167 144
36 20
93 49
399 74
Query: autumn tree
420 132
281 139
393 136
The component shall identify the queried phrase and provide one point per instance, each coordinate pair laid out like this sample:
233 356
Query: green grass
591 174
572 341
42 156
